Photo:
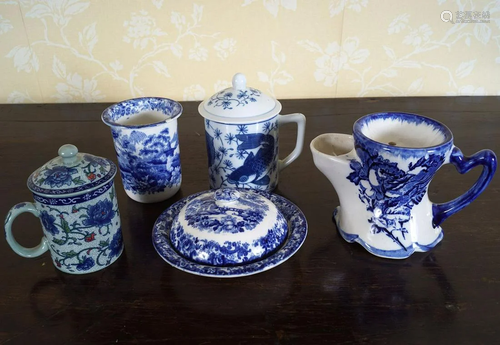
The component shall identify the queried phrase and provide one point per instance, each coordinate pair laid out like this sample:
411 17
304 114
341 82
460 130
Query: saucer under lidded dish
227 227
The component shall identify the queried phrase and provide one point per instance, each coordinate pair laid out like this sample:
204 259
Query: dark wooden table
329 292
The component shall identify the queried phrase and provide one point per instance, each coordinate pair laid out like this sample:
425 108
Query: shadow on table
375 297
233 297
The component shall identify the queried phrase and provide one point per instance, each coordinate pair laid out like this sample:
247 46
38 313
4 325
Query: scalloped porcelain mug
147 146
76 202
381 174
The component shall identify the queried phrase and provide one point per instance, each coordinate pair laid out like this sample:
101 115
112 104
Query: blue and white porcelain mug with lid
241 129
76 202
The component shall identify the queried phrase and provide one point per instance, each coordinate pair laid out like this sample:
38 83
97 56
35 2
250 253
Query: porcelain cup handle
300 119
16 247
488 160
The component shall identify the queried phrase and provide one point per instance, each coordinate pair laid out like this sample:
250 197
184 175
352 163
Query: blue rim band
169 107
361 138
73 199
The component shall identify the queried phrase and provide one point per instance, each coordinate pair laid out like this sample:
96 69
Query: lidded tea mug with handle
241 130
76 202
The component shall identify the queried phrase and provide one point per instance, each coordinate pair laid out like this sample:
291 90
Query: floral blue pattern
296 237
116 244
86 174
148 164
86 236
48 222
227 194
86 264
246 156
205 214
59 176
229 99
390 192
100 214
231 252
166 106
209 252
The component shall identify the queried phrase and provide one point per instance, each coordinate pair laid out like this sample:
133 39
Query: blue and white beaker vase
147 146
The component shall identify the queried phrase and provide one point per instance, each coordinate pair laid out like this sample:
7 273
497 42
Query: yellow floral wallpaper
108 50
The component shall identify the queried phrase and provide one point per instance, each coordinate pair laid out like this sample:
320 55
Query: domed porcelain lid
239 104
71 173
228 227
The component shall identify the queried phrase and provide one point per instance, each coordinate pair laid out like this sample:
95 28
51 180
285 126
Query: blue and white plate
297 232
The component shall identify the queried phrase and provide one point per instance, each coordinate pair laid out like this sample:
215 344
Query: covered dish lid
71 173
227 227
239 104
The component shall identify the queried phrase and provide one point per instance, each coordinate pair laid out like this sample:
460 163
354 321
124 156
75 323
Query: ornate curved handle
300 119
488 160
16 247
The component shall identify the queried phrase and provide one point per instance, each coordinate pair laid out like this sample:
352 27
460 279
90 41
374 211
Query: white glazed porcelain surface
228 226
403 134
239 104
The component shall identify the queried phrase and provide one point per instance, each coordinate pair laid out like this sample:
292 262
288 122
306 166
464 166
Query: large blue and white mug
242 133
147 146
247 155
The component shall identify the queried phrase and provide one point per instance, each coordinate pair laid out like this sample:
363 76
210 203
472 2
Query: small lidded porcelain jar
76 202
228 227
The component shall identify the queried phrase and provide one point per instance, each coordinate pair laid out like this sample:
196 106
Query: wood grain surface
330 292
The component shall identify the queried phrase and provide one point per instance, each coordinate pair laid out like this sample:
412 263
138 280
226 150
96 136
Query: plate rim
261 265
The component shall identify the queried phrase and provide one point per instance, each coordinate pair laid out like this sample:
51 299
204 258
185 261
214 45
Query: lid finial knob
226 196
239 81
68 153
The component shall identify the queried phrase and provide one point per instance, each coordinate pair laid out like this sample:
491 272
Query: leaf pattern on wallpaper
5 25
158 3
142 30
194 92
419 38
273 6
24 59
225 48
338 6
221 85
82 50
74 86
184 39
333 58
20 97
60 11
277 76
